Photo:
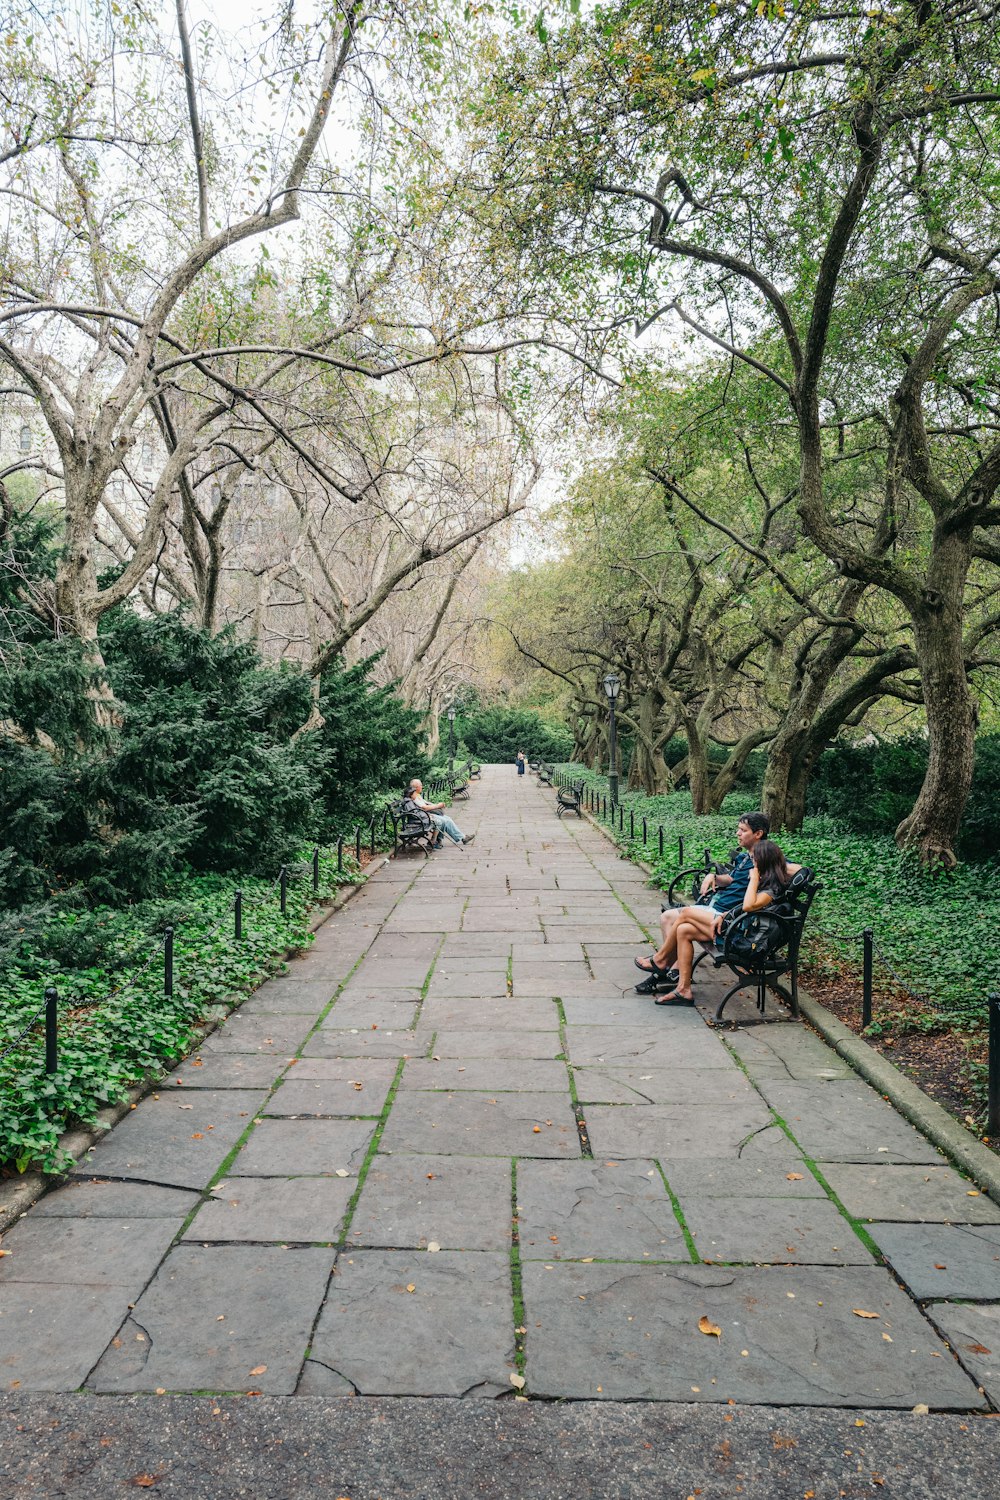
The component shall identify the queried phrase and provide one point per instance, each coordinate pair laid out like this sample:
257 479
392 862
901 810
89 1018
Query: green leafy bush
497 734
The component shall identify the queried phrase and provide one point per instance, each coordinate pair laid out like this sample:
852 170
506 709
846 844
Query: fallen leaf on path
198 1136
537 1129
859 1312
793 1176
144 1481
433 1246
977 1349
259 1370
340 1172
517 1380
707 1326
411 1287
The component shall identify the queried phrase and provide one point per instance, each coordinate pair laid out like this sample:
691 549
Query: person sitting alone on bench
769 875
726 892
444 825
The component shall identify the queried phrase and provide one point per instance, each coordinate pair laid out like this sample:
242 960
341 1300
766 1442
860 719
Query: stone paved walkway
444 1150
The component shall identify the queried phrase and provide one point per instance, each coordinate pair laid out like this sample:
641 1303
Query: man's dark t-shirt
731 897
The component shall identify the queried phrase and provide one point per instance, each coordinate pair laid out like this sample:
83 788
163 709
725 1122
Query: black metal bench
570 799
410 831
458 789
759 947
473 770
533 765
546 775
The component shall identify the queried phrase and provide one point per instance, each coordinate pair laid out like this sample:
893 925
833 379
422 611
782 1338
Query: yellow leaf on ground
259 1370
411 1287
859 1312
517 1380
707 1326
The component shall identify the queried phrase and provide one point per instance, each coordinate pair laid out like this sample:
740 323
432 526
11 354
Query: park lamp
612 686
451 713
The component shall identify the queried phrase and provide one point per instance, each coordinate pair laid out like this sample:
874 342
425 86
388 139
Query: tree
814 196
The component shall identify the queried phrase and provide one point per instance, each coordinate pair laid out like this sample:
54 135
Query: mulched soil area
948 1065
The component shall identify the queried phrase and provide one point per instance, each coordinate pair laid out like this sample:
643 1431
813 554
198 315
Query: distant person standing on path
520 763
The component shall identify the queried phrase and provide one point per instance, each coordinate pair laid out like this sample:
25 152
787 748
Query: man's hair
412 786
757 822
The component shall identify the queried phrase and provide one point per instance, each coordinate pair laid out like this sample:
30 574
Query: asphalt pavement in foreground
450 1155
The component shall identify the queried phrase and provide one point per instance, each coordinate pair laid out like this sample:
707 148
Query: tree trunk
932 826
697 769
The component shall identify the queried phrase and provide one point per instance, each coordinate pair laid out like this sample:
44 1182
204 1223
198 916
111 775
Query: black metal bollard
644 830
708 859
604 807
372 835
661 840
283 888
51 1022
993 1118
631 824
357 843
680 851
238 916
168 961
315 870
340 854
866 980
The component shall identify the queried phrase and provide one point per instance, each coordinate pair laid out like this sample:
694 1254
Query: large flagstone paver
180 1139
500 1043
943 1260
281 1148
445 1326
681 1041
485 1074
225 1318
259 1209
917 1194
452 1014
776 1231
471 1124
94 1198
673 1130
340 1042
846 1121
973 1330
222 1070
571 1210
662 1086
354 1095
85 1252
787 1336
778 1173
409 1202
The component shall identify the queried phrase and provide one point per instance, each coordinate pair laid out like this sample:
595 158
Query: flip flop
674 999
650 966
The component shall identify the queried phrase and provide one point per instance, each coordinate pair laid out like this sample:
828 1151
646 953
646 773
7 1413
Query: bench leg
739 985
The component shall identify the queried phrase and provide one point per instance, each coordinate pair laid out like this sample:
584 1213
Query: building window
147 454
25 439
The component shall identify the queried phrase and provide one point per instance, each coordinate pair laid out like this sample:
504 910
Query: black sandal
674 999
656 981
650 966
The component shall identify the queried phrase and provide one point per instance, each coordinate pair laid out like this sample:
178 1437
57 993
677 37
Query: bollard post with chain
51 1023
868 938
168 961
993 1117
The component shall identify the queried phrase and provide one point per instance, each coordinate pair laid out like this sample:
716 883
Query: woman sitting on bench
769 876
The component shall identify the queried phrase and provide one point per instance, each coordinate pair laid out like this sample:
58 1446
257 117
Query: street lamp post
612 686
451 738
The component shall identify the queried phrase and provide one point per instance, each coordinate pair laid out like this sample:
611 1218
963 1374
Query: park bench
533 766
473 770
546 774
759 948
410 830
570 799
458 788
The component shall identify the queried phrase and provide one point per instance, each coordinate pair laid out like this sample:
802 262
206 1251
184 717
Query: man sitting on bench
415 793
726 893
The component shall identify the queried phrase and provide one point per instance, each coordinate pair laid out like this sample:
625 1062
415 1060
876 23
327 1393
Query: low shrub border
19 1192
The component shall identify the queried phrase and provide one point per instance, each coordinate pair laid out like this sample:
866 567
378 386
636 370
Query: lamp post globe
612 687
